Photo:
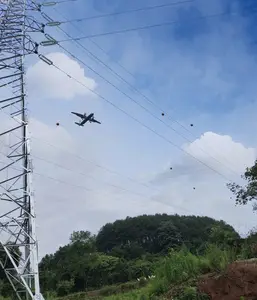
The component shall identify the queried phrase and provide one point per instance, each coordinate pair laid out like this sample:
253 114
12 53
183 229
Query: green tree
168 236
5 287
64 287
154 233
247 193
222 236
125 250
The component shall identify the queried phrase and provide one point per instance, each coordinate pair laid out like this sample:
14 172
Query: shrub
219 259
191 293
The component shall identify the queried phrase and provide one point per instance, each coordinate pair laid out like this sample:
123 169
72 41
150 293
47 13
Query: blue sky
199 72
196 41
186 50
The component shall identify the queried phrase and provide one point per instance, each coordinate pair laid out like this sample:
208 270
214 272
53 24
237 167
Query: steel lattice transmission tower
18 240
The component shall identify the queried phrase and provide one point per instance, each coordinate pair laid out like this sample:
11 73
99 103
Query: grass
180 267
178 273
175 277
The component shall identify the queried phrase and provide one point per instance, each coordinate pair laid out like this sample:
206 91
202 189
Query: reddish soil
240 279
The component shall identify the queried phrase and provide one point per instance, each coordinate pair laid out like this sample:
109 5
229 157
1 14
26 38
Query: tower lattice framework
18 240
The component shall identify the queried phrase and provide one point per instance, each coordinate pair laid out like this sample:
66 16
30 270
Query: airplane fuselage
90 116
84 118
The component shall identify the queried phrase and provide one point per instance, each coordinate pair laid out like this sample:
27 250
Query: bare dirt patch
238 280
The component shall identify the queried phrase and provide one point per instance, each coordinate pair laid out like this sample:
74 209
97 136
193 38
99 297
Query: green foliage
129 249
134 295
176 274
65 287
176 268
5 287
122 288
221 235
155 234
191 293
169 236
85 238
247 193
182 266
175 249
219 259
3 298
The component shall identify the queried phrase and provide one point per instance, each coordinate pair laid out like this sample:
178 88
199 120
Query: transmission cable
79 173
90 190
136 120
174 206
96 164
140 93
146 8
140 105
132 87
86 160
147 27
86 175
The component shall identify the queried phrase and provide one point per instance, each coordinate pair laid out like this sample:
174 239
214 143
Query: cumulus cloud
211 155
194 188
89 197
222 153
46 81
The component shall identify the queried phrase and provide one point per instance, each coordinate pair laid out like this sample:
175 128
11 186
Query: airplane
85 118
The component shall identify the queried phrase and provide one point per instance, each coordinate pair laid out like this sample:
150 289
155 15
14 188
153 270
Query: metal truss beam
18 240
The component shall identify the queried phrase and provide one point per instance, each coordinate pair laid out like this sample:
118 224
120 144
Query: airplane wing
78 114
95 121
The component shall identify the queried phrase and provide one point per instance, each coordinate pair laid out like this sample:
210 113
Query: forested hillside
126 250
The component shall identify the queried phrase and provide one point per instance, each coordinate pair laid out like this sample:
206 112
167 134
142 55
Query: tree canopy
247 193
126 250
156 233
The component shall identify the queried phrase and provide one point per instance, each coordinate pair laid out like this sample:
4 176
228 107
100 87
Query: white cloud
46 81
226 154
66 204
199 190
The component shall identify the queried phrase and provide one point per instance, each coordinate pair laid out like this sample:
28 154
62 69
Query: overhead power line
146 8
142 123
174 206
138 121
133 100
143 107
87 175
87 161
97 45
66 183
163 24
98 60
96 164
